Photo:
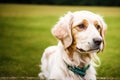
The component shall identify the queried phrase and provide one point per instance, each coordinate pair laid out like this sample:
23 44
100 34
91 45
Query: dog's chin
92 50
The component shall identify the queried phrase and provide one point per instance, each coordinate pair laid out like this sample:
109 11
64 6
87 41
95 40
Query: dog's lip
90 50
80 49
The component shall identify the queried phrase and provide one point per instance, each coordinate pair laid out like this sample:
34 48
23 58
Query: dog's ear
104 28
62 30
103 33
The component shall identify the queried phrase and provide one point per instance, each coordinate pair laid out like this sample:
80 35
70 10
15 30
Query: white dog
81 36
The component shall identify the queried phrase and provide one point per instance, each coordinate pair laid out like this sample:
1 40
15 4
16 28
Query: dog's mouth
96 49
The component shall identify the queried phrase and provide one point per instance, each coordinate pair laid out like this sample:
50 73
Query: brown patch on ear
103 30
71 49
100 30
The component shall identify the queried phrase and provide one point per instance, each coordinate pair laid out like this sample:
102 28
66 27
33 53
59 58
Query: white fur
52 62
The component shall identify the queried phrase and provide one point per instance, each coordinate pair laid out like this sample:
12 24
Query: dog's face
83 30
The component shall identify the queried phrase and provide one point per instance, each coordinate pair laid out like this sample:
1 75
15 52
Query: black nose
97 41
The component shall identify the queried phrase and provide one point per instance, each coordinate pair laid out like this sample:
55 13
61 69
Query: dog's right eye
81 26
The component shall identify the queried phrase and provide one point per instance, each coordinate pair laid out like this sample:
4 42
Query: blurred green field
25 33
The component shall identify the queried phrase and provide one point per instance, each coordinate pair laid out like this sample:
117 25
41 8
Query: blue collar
78 71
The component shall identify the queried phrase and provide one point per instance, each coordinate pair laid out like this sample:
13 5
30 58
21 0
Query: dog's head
83 30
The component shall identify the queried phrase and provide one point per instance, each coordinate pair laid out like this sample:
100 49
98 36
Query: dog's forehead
81 15
84 14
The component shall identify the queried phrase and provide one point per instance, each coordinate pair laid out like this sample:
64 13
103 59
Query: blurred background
25 31
67 2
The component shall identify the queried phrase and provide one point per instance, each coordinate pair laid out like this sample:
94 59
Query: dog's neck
77 58
74 58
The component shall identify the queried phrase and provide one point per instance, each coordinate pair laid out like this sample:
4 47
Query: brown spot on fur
85 22
71 49
82 26
70 52
98 27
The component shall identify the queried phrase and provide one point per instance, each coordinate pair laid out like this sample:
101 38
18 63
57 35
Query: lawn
25 31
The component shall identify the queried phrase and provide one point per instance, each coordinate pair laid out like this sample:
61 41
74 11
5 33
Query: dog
80 37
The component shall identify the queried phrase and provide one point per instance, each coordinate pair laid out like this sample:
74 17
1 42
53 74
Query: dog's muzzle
94 48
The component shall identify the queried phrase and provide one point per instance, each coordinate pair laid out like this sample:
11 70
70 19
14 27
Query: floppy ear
62 30
103 34
104 28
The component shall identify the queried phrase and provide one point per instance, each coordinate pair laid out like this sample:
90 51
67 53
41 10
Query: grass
110 57
25 33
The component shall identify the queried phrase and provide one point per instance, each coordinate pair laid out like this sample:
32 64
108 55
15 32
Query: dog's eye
98 27
81 26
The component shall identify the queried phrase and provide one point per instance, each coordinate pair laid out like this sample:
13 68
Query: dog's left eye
98 27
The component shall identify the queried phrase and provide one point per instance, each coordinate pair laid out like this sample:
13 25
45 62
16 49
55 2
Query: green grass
25 33
110 57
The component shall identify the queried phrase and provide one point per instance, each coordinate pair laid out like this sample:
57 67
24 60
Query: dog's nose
97 41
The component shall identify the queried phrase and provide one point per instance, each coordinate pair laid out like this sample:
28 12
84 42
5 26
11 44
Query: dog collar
78 71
